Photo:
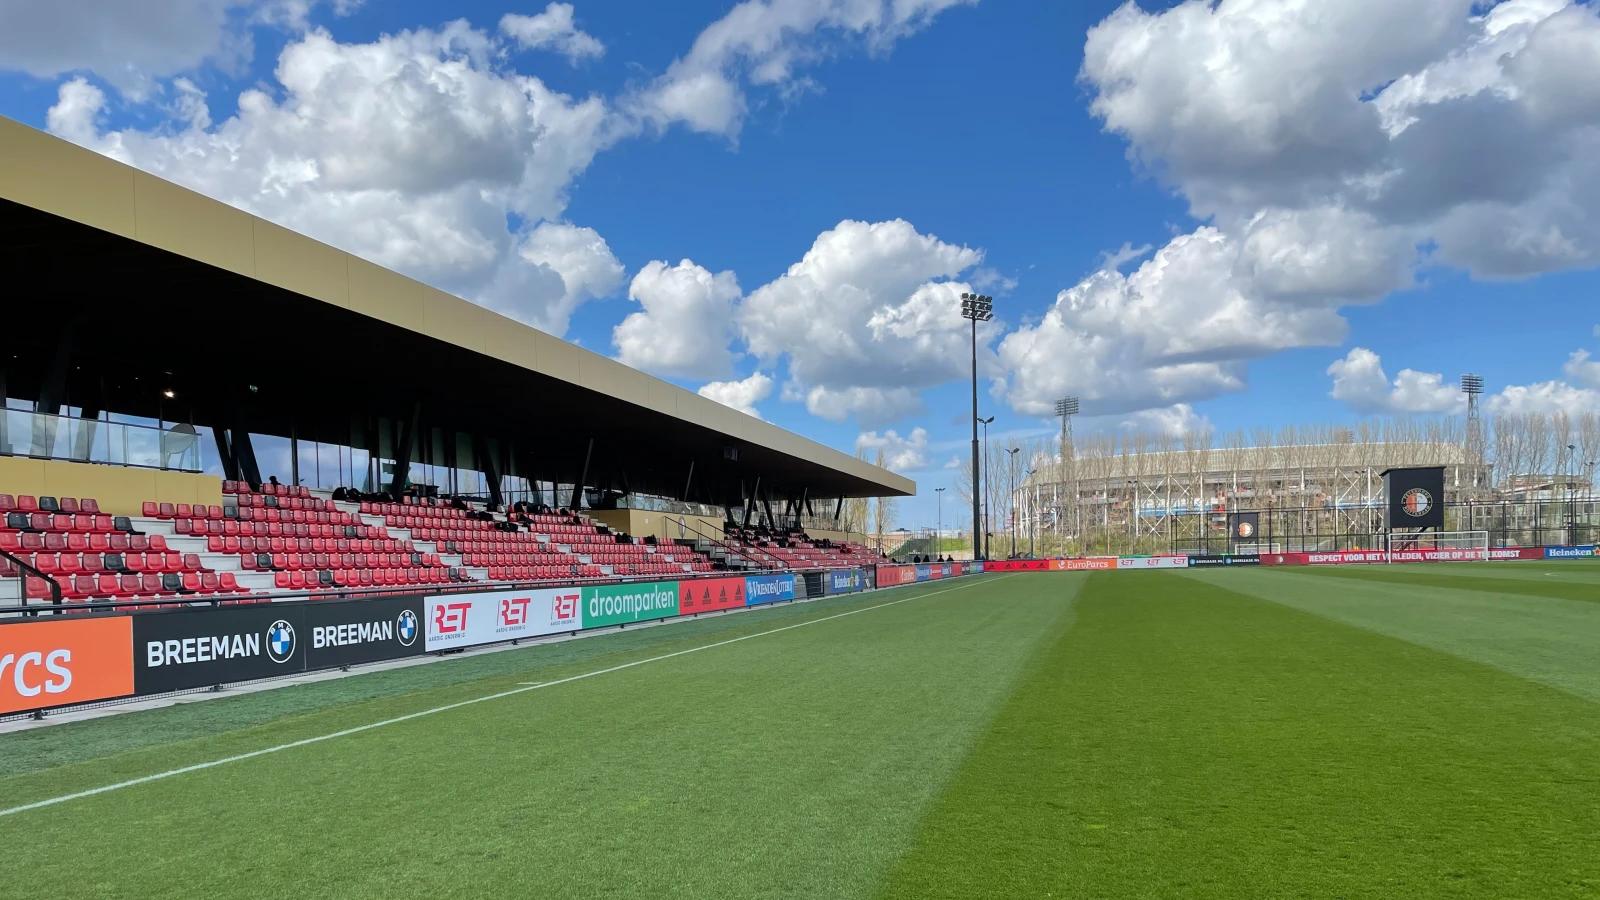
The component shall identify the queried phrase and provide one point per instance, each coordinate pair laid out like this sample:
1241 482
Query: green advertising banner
620 604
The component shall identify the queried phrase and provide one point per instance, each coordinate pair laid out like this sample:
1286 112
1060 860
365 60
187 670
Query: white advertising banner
467 620
1153 562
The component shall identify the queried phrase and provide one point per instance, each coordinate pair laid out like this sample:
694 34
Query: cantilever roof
44 173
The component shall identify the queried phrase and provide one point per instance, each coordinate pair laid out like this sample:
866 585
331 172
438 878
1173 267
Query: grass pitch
1428 731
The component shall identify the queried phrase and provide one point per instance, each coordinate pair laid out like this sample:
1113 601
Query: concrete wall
119 490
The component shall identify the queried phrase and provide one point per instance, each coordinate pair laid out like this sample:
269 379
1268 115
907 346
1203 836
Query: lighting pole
1066 408
985 423
1033 512
1572 496
938 531
1011 479
976 308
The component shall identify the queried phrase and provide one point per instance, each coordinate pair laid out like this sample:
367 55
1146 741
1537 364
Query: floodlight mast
1066 408
1477 445
976 308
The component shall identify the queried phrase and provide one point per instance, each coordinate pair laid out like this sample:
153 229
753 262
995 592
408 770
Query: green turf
791 765
1563 581
1182 740
1552 640
79 741
1217 733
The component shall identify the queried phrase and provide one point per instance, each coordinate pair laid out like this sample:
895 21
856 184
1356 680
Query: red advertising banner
958 569
708 594
1017 565
889 576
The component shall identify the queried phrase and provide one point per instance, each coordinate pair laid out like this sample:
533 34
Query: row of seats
352 578
479 560
411 509
118 587
27 503
278 490
292 561
83 523
95 563
459 536
231 528
56 542
234 545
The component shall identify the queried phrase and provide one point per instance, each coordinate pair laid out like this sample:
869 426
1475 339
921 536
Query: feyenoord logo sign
1416 502
1246 529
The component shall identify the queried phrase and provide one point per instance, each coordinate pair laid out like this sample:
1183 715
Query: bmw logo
1416 502
280 641
407 628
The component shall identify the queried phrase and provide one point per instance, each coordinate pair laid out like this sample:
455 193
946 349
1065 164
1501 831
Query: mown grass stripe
1528 587
240 757
1184 740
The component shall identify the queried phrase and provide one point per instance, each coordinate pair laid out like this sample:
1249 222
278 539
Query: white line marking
133 782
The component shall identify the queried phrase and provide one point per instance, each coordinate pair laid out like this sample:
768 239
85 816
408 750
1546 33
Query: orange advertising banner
65 661
1085 565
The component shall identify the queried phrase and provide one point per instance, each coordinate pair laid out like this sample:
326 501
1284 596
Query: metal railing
22 572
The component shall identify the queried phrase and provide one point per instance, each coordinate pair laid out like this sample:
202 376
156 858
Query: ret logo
1416 502
280 642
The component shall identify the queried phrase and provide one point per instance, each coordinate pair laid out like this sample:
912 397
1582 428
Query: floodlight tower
1066 408
976 308
1472 386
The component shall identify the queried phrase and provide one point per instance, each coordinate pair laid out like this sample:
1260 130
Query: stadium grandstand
166 345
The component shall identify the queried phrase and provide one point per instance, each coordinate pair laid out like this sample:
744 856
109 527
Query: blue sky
1297 183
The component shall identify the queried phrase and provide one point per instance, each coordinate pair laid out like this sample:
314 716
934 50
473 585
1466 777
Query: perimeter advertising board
1152 562
1568 552
61 662
624 604
759 589
710 594
1092 564
1018 565
845 581
890 576
924 573
364 631
200 647
1240 560
468 620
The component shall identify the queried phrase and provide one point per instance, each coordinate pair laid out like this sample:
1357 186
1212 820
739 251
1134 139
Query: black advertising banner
193 648
1242 560
1415 498
1244 527
174 651
362 631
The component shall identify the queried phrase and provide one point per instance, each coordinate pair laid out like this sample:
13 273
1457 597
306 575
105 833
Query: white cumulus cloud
132 43
1334 147
768 43
411 151
867 320
1360 382
553 29
742 395
900 454
685 322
